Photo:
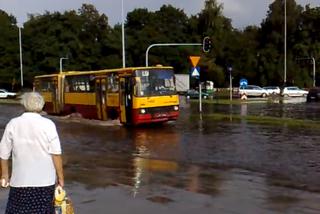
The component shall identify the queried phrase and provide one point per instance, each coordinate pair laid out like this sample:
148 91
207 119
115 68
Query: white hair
32 102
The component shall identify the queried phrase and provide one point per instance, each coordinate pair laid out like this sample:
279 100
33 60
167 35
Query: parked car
275 90
253 91
293 91
313 95
6 94
194 94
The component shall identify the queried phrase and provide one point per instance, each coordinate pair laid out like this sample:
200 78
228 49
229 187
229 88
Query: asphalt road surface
194 165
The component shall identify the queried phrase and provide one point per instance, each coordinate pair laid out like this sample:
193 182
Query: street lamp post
20 49
230 81
123 39
285 43
314 71
62 58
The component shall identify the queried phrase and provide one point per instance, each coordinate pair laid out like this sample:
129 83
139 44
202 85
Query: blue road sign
195 72
243 82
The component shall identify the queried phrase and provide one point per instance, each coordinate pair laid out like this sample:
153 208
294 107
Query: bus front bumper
147 116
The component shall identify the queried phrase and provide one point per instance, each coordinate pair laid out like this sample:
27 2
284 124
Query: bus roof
103 71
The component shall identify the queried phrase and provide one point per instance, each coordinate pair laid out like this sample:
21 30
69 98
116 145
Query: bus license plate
160 115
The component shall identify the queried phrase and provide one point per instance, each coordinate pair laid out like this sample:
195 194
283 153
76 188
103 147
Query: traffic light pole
206 46
200 96
167 44
314 67
314 71
230 81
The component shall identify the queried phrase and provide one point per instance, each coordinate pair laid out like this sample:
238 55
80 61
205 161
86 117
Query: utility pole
314 71
230 81
62 58
285 43
313 67
167 44
20 48
123 39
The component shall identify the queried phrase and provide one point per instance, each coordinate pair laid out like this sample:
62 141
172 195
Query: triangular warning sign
194 60
195 73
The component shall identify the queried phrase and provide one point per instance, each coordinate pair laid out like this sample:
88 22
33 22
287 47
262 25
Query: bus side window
113 83
67 86
45 85
91 86
137 87
80 84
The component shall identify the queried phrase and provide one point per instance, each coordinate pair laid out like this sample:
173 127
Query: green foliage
85 37
9 50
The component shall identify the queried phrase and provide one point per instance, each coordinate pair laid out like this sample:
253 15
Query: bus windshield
155 82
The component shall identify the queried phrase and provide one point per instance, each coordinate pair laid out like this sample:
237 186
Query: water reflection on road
193 165
284 108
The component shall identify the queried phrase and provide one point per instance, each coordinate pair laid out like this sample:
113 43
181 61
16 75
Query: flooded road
195 165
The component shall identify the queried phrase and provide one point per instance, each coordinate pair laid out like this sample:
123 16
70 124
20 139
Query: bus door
55 96
101 98
126 100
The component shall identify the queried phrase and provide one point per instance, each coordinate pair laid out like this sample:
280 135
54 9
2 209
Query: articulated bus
134 95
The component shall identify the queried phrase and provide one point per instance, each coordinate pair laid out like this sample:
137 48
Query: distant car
293 91
6 94
253 91
313 95
275 90
194 94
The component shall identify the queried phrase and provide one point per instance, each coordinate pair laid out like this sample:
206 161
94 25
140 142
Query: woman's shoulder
42 120
14 120
47 120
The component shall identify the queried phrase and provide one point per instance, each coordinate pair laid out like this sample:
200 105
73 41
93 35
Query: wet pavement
194 165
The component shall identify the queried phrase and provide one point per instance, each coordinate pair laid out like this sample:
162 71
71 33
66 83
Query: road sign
243 82
195 72
194 60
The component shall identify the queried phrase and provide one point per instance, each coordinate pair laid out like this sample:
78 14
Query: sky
242 12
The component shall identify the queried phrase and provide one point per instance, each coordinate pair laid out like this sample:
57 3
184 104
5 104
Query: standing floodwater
195 165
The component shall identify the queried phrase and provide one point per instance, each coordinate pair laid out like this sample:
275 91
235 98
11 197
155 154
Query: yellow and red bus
134 95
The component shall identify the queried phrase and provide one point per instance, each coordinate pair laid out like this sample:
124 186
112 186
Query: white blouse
31 139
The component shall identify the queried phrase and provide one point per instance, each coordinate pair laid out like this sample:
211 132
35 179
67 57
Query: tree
82 36
144 28
85 37
9 50
307 43
212 23
272 40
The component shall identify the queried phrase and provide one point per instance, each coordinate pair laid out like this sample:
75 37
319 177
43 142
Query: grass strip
263 120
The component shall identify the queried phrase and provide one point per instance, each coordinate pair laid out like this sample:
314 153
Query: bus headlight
142 111
176 108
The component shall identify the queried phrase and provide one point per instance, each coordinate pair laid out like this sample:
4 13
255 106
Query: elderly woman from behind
33 143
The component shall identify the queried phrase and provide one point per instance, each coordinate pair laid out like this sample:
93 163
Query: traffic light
206 44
